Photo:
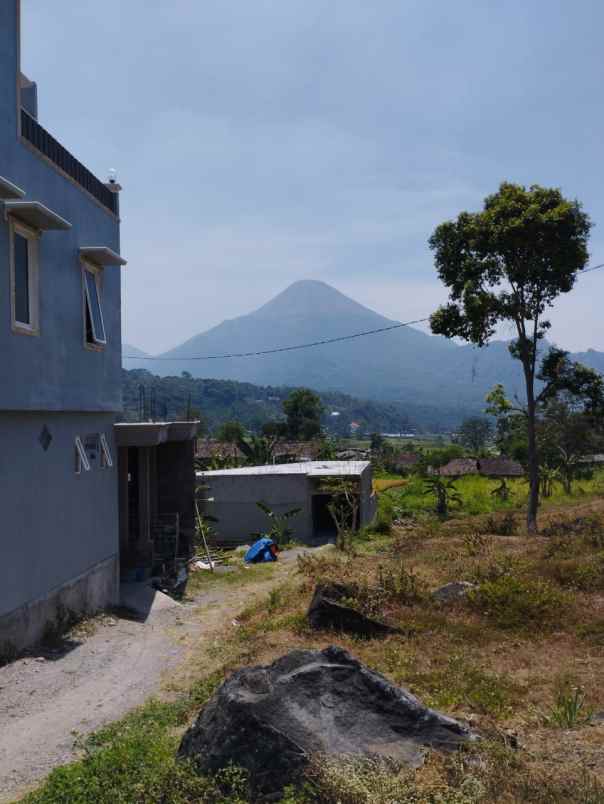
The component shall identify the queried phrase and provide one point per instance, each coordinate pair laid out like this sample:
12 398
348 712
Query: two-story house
60 367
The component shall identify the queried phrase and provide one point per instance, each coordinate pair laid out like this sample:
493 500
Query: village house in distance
60 382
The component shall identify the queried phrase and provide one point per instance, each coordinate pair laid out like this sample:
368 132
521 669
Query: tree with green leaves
231 432
508 264
303 409
475 433
566 436
274 429
568 416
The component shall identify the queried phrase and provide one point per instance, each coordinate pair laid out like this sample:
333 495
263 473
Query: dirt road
48 700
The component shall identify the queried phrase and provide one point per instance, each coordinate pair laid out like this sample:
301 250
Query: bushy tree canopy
508 263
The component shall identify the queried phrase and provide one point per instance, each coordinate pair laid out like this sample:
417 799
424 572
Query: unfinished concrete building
231 497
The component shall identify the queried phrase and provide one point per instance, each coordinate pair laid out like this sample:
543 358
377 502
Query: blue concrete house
60 367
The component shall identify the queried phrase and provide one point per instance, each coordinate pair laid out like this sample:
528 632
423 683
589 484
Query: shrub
590 528
514 603
569 710
379 781
458 682
585 574
501 567
501 525
592 631
476 543
401 584
385 514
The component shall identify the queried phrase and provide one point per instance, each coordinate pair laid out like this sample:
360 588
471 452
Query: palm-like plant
259 450
445 493
279 530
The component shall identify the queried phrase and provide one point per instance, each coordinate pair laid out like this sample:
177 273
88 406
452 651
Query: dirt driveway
48 700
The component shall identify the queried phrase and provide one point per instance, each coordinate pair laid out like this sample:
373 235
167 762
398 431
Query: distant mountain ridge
434 377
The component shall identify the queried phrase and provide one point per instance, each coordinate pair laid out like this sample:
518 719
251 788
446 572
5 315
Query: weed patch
511 602
460 683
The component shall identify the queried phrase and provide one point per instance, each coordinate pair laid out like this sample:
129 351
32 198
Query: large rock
270 720
326 611
453 592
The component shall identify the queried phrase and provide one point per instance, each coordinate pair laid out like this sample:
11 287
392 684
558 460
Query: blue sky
261 143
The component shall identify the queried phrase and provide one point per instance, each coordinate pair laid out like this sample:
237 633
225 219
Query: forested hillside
217 401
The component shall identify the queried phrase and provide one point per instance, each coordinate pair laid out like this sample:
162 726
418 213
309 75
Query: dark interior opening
323 524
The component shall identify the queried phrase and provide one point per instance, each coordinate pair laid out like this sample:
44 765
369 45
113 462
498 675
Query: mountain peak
312 298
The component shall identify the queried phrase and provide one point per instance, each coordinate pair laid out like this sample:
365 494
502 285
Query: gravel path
48 700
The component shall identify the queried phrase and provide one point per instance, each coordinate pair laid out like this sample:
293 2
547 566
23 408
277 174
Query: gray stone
327 611
271 720
451 592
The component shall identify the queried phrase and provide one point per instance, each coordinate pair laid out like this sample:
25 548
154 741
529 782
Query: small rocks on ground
452 592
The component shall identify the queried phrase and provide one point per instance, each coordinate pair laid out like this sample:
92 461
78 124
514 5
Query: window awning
101 255
36 215
9 190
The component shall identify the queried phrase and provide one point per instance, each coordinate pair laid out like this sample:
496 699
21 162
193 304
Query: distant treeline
147 396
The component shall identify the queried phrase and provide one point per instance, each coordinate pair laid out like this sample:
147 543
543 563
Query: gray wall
368 498
54 525
235 498
54 371
239 516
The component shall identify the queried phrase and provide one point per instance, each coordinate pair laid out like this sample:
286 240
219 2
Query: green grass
239 575
461 683
475 492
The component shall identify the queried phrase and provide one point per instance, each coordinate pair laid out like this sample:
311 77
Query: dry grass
503 674
504 678
383 484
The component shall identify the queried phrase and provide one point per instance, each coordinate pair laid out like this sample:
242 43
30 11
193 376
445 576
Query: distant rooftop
309 468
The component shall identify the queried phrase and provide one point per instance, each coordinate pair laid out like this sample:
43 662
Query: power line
595 268
289 348
310 345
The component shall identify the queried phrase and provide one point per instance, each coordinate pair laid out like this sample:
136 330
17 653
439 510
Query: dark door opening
323 525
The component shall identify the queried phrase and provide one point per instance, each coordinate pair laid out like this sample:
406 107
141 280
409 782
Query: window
106 459
94 326
24 279
81 459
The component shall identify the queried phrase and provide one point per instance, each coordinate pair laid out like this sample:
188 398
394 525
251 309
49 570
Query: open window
24 279
94 325
81 459
106 459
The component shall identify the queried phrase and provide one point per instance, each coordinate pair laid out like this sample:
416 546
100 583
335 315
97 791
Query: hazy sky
263 142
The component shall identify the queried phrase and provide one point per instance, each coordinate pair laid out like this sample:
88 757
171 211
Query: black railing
44 142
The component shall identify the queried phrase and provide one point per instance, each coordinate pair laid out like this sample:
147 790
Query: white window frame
81 457
97 344
32 237
106 459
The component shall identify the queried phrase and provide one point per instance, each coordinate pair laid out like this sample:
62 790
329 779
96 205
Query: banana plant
279 530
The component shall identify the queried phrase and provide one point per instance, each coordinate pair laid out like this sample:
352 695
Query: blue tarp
260 551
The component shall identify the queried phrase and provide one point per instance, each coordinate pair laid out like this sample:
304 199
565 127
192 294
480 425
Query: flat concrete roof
151 434
309 468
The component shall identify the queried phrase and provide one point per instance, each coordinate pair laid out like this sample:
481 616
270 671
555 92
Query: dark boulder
271 720
326 611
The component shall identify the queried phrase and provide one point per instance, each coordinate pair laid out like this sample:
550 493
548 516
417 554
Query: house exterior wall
235 508
56 525
59 530
53 371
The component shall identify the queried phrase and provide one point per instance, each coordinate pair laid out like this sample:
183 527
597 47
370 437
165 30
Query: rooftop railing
44 142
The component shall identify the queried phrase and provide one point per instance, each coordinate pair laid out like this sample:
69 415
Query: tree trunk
533 461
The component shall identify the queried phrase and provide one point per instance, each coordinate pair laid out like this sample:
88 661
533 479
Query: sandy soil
47 701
